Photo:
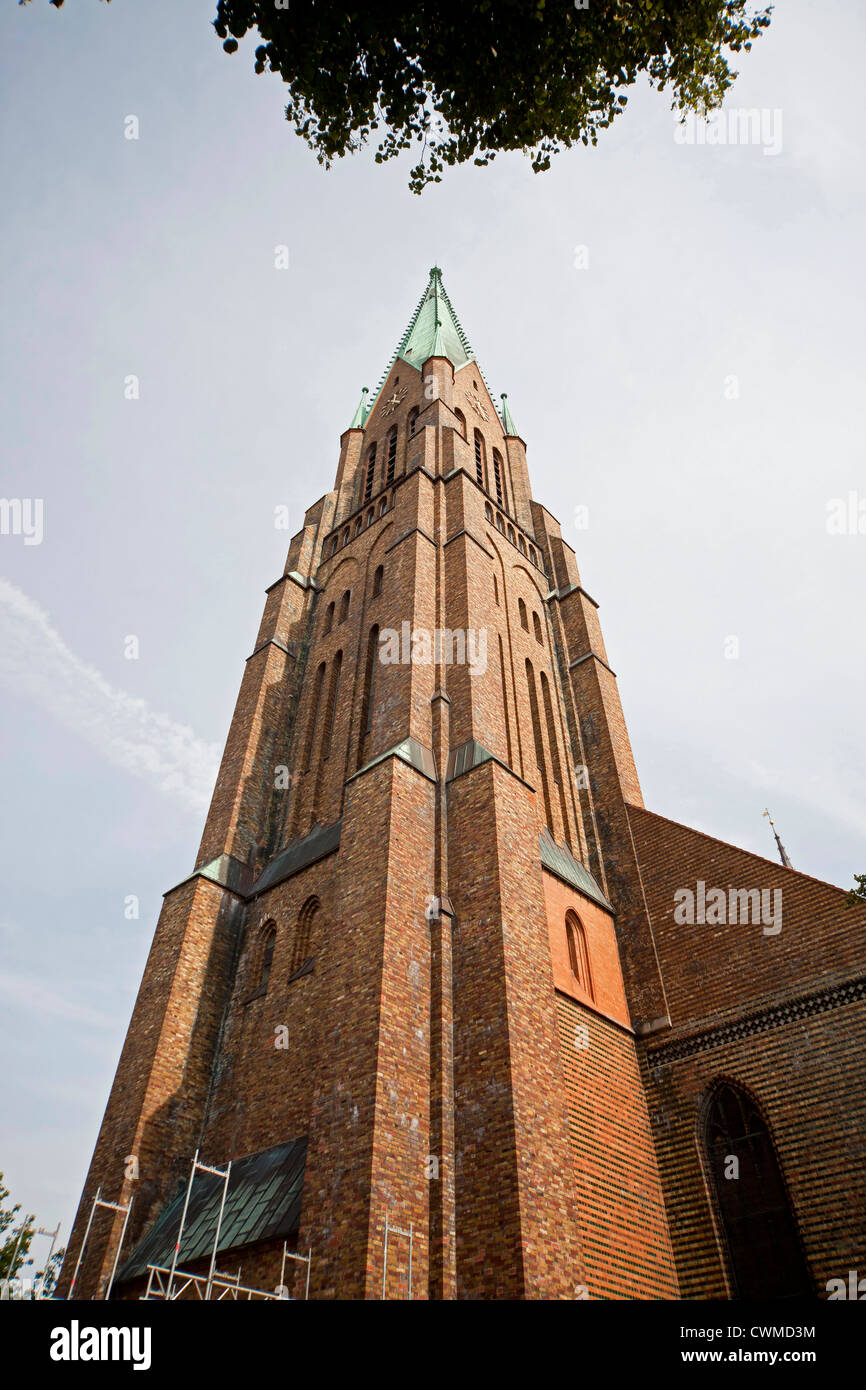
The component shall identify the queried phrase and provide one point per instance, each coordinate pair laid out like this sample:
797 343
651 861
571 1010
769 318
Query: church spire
508 424
434 330
783 853
360 416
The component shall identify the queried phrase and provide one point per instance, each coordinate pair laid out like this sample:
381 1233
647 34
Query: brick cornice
272 642
296 578
405 536
463 532
592 1007
579 660
762 1021
573 589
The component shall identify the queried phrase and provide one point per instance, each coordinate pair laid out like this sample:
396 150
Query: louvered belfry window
371 472
497 477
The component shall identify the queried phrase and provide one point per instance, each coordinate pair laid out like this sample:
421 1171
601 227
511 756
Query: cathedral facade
466 1018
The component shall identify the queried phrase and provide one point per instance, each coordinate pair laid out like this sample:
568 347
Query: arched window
371 473
578 955
488 511
413 419
539 744
268 942
359 526
532 555
303 935
505 712
499 524
495 589
480 469
766 1257
522 543
553 745
383 506
369 681
344 605
498 478
391 462
511 535
346 534
377 581
371 516
314 713
536 625
329 620
333 691
521 608
461 421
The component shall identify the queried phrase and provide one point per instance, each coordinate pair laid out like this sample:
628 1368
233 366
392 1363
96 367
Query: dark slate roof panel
321 840
263 1202
561 861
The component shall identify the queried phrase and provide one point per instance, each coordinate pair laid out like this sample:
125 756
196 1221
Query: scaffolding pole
41 1231
302 1259
396 1231
216 1239
219 1173
108 1206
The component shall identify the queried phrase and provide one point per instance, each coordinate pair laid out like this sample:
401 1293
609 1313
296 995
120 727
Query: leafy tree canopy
14 1243
467 79
858 892
16 1236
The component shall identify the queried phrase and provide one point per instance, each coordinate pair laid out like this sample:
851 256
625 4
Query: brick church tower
437 967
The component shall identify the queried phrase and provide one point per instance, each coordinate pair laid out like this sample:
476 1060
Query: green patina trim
362 412
561 862
410 751
434 331
507 418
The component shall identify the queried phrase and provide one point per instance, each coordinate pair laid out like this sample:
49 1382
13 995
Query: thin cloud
32 996
37 664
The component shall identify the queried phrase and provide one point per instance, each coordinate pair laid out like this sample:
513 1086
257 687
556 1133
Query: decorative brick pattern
417 1014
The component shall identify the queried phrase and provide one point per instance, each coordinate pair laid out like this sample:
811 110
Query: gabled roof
263 1202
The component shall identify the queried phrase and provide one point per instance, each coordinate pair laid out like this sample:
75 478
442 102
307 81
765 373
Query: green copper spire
507 418
361 413
434 331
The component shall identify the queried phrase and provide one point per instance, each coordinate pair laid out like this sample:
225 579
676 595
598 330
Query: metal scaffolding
109 1206
217 1286
223 1173
396 1231
302 1259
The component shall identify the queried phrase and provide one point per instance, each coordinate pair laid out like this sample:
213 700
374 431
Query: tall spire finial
434 331
783 853
360 415
508 424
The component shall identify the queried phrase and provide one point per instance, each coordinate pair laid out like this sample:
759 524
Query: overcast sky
679 330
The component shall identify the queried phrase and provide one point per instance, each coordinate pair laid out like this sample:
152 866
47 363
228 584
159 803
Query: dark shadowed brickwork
434 939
